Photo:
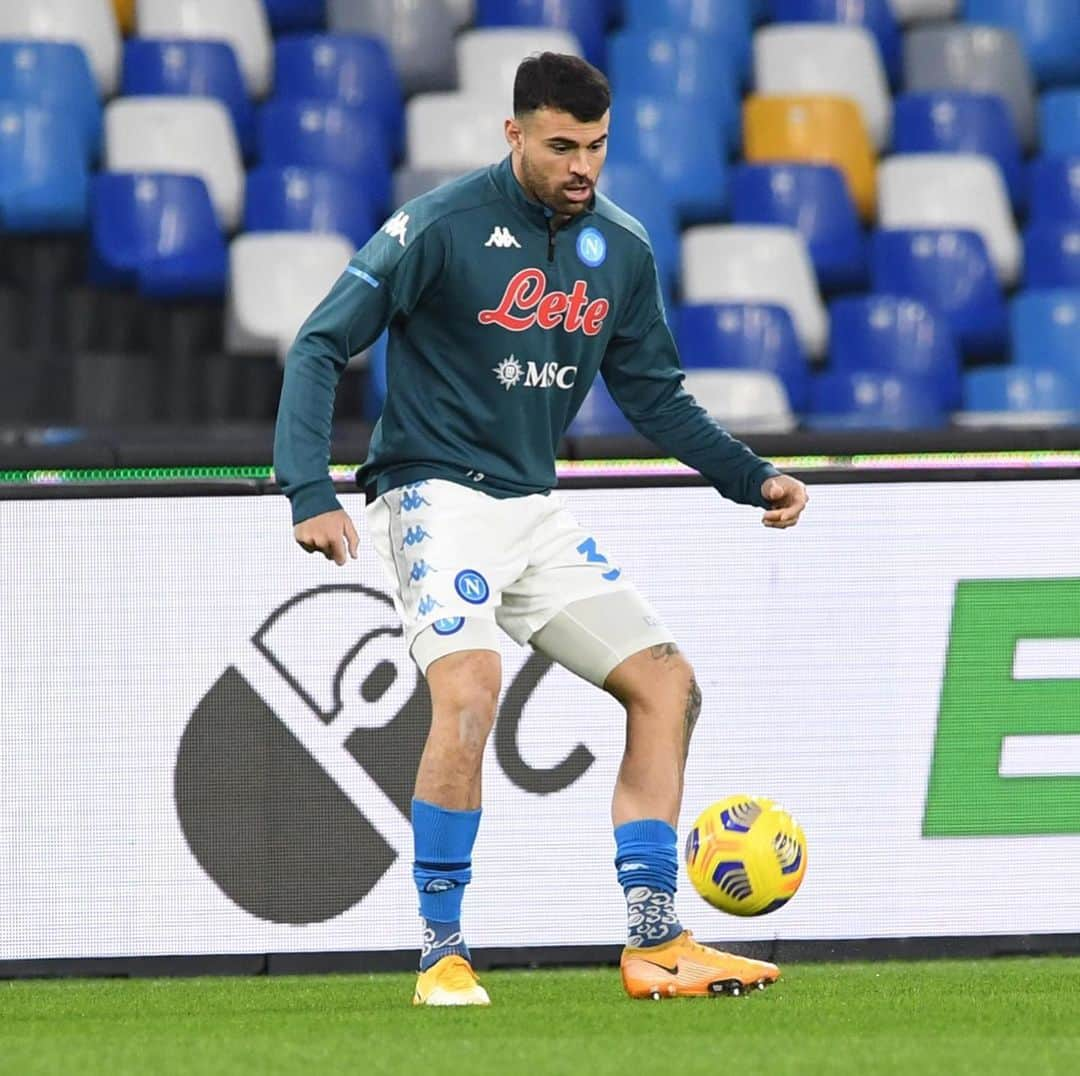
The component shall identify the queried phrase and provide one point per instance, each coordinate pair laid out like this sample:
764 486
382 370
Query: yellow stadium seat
823 130
125 15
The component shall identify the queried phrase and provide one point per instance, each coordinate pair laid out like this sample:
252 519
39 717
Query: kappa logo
396 225
527 302
294 775
502 238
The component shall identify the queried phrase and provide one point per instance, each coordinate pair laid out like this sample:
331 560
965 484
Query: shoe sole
718 988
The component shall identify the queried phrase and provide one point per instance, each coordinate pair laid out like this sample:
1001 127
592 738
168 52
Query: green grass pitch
955 1017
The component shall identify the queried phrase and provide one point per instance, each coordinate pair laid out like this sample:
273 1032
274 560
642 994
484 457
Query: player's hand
788 498
331 534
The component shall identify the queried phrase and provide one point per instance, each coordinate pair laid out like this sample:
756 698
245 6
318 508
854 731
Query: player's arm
385 278
642 370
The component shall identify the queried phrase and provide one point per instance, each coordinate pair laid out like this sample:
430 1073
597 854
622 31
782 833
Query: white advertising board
208 737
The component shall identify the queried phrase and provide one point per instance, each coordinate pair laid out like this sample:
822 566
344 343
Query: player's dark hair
561 82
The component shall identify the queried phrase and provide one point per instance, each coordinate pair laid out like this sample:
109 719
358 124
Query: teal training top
497 329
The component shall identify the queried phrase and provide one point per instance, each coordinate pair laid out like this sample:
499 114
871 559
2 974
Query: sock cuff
443 835
647 830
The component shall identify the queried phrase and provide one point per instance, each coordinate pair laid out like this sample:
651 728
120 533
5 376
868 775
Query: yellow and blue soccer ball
746 855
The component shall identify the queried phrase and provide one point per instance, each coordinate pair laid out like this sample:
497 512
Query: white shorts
451 553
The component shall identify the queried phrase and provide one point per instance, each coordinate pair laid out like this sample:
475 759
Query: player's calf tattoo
693 710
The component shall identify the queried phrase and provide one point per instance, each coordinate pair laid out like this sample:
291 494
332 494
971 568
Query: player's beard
553 194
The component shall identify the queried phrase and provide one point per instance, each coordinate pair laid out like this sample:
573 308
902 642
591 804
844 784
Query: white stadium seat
914 10
241 23
747 401
189 135
952 190
488 59
88 23
455 130
840 61
756 264
276 279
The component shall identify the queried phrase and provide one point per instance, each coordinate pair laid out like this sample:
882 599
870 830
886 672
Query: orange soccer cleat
683 968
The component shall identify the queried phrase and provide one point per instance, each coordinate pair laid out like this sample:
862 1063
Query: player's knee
659 678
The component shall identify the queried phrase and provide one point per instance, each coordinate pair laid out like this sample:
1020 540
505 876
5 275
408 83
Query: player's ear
514 134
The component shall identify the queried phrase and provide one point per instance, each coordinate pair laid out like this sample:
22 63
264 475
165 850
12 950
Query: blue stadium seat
874 400
158 233
1046 329
324 134
1049 30
599 415
667 134
668 63
375 395
354 69
725 23
636 188
190 68
898 334
289 16
813 199
745 336
586 18
43 175
53 75
1052 254
875 15
1054 184
1000 390
1059 122
951 121
307 200
949 270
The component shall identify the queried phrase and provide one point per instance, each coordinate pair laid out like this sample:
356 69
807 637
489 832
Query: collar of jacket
502 175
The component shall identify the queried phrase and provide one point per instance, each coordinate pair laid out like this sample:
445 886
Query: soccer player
505 293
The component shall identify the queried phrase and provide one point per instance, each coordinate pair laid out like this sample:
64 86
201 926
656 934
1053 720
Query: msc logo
295 772
510 372
527 302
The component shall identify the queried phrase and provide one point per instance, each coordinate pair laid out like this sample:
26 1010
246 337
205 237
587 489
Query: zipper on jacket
551 243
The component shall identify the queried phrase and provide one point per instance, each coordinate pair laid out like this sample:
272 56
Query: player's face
558 158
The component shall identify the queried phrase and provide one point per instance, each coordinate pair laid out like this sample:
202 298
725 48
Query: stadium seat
410 183
192 135
308 200
895 333
353 69
488 58
812 199
724 24
43 173
53 75
979 59
1059 123
744 336
819 130
599 415
873 400
747 401
292 16
462 12
1049 30
951 272
241 23
908 11
585 19
1055 188
876 15
197 68
841 61
756 264
1045 329
952 190
324 134
157 233
1052 254
454 131
420 35
946 121
125 15
1019 397
663 63
91 24
636 189
375 394
667 134
276 279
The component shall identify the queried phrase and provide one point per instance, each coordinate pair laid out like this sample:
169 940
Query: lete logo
527 302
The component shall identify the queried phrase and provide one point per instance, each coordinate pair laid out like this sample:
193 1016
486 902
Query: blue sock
648 866
442 867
